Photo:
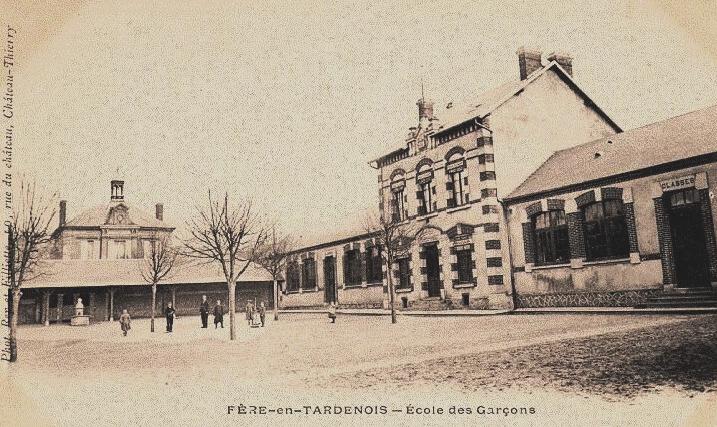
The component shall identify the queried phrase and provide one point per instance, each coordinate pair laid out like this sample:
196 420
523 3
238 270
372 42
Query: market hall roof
62 273
103 215
689 136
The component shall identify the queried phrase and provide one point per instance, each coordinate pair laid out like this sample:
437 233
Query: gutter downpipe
510 255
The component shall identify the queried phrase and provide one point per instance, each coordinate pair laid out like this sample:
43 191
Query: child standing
218 315
125 322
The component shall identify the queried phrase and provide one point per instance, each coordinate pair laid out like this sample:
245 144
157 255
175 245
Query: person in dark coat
262 314
204 311
249 312
170 314
125 322
218 315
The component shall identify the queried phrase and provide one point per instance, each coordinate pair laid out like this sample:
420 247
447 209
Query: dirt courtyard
559 365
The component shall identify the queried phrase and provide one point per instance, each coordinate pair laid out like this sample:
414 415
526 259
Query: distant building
448 176
621 221
97 256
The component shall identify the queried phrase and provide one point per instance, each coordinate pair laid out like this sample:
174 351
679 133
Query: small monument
79 318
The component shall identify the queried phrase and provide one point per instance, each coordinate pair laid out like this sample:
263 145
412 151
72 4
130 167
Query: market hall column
60 303
46 307
112 304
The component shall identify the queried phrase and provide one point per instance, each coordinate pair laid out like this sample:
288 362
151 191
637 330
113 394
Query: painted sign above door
678 183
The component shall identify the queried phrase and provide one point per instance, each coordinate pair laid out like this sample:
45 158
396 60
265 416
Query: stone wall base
586 299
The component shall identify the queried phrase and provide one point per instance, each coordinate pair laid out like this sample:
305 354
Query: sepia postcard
469 212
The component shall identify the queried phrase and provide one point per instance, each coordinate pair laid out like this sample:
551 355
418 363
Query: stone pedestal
83 320
80 319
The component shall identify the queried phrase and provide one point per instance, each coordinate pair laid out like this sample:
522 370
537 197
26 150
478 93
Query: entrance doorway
433 273
688 238
329 279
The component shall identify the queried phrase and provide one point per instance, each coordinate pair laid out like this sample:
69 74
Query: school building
448 178
625 220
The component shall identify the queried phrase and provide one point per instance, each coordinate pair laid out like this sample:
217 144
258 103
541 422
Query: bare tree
394 238
272 257
228 235
157 265
28 238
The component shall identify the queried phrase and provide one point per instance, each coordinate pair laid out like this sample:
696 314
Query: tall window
552 244
352 267
606 230
398 198
457 180
89 250
404 276
308 274
465 265
397 206
292 275
121 249
374 273
424 195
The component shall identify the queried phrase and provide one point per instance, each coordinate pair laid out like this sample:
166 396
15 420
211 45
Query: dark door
433 273
688 239
330 279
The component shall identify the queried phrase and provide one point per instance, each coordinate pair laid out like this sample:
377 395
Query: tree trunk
232 309
276 300
391 297
13 324
154 304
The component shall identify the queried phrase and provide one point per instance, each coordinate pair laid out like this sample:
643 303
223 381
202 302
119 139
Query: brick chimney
117 189
528 61
159 211
63 212
564 60
425 111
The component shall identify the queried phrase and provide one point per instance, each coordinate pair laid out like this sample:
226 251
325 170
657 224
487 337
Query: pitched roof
97 215
126 272
490 100
487 102
682 137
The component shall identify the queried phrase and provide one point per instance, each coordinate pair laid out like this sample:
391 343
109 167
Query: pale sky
287 102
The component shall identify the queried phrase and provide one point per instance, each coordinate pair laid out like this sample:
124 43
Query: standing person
170 313
249 312
218 314
125 322
204 311
262 314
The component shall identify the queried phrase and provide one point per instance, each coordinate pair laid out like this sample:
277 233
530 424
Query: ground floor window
292 276
464 260
404 275
606 230
552 244
308 274
374 273
352 267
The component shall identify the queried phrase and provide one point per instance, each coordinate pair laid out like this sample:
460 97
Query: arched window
552 244
606 230
398 198
424 195
457 182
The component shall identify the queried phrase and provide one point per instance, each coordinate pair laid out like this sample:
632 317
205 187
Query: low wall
619 284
